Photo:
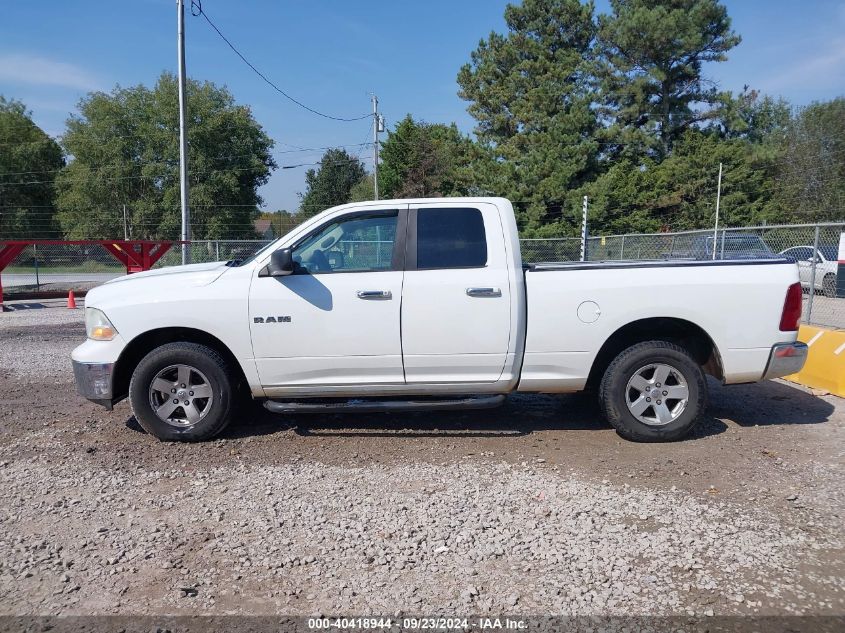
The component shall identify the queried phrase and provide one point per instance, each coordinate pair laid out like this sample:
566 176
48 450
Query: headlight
97 325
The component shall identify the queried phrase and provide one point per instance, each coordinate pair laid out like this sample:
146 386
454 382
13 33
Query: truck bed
660 263
574 308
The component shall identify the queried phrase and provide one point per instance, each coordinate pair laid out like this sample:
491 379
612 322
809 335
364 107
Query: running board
362 405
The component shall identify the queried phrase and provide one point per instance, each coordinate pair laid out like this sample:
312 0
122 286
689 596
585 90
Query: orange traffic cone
71 300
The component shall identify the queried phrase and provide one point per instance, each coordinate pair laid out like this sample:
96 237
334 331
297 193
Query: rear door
456 299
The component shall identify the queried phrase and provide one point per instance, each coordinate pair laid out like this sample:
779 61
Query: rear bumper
786 359
94 382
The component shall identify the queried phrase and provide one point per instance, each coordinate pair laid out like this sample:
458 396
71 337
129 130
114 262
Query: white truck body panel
449 336
542 331
338 338
211 298
739 310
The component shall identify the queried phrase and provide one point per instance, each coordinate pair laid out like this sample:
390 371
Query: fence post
35 255
217 250
622 249
813 275
584 232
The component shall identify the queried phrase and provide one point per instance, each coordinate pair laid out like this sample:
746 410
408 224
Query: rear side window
450 238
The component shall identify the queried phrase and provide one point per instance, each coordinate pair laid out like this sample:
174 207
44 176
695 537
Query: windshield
745 244
733 245
829 252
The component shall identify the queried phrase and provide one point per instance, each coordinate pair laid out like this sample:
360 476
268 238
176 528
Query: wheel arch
686 334
145 342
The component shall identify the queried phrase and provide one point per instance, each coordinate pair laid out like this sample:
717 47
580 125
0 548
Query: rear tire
829 285
653 391
182 392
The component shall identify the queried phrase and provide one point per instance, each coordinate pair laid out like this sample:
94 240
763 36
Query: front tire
653 392
182 392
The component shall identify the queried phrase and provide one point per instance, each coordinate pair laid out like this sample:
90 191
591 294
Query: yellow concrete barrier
825 366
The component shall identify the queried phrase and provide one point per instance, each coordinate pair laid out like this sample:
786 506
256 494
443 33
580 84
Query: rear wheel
653 392
829 285
182 392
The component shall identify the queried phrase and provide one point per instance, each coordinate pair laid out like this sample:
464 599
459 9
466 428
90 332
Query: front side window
354 244
451 238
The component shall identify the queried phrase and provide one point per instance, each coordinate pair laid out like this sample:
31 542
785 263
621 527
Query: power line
193 173
196 10
363 146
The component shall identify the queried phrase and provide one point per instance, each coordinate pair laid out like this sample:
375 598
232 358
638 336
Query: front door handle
484 292
375 294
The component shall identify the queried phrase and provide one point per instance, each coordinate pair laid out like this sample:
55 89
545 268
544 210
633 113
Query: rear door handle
375 294
484 292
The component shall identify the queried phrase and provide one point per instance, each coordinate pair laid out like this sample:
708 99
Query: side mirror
281 263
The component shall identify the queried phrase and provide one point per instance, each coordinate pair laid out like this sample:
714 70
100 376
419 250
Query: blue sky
331 54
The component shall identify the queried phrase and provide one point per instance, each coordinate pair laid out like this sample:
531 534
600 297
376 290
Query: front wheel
182 392
653 392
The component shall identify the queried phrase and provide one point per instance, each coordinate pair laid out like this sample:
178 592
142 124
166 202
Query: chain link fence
63 266
812 246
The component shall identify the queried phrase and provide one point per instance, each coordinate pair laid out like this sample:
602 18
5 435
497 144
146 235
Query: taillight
791 314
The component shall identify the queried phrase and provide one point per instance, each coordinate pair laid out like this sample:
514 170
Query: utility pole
183 134
718 198
378 126
584 231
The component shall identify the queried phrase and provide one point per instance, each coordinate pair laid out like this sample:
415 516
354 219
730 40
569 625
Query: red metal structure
135 255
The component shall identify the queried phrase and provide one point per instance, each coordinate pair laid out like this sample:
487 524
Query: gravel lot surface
534 508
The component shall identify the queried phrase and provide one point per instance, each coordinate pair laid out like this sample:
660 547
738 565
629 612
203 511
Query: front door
334 322
456 301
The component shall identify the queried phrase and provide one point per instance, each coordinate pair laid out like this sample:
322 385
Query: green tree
531 93
29 161
363 190
423 160
679 192
810 180
652 84
758 118
125 148
331 183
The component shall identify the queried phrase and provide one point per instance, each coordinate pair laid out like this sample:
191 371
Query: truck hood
153 285
192 274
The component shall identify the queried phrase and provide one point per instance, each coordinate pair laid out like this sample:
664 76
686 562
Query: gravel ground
534 508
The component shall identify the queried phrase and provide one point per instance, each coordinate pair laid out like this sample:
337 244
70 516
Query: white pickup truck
426 304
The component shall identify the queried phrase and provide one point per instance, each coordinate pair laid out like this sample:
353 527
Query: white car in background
826 266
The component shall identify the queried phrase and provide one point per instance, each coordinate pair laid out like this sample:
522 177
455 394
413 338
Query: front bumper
94 381
786 359
94 363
